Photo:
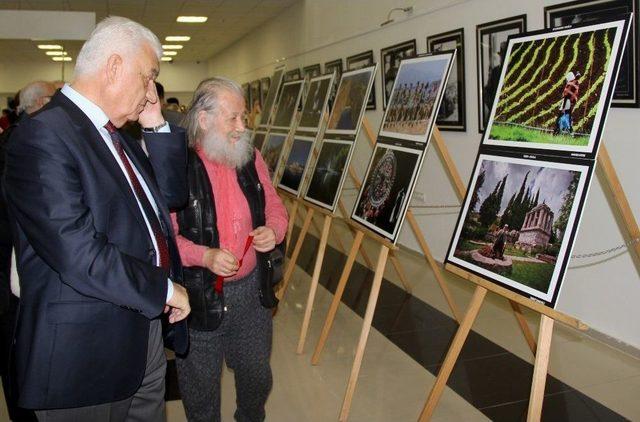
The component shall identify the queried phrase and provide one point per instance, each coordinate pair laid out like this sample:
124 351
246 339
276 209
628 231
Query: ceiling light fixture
169 53
61 59
166 59
192 19
49 47
408 10
177 38
171 47
55 53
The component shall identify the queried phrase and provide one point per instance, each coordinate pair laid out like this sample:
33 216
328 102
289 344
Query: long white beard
219 149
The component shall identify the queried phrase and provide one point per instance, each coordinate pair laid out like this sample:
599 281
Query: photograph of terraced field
554 89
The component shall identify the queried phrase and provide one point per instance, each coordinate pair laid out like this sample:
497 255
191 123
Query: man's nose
240 124
152 95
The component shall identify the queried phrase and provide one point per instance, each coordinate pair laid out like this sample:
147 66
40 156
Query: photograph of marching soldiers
415 97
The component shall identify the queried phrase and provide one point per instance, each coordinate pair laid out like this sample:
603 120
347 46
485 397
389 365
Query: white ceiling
229 20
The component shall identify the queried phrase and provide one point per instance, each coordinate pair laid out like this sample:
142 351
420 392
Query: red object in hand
220 279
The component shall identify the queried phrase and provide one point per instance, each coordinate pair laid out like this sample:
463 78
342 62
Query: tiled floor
589 381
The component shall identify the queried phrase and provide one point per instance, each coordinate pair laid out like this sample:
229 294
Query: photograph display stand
380 265
358 82
311 209
548 315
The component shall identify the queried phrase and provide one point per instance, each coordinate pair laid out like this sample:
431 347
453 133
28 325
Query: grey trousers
147 404
243 340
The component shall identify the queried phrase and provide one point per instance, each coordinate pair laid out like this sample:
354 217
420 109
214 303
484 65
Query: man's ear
114 68
203 116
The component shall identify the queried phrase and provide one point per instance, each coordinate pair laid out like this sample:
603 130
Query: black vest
197 222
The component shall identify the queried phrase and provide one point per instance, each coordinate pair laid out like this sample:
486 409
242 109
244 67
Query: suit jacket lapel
84 128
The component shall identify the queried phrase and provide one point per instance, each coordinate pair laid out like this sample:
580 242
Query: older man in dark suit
97 263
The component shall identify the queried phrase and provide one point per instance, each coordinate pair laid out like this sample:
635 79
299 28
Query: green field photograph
553 89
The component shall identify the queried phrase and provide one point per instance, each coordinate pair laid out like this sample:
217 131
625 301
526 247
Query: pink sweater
233 216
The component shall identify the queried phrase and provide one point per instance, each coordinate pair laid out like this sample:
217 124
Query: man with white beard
234 218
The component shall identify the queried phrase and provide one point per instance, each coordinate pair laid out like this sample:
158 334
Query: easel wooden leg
403 278
540 369
526 331
437 272
364 254
294 256
453 353
619 196
314 283
364 334
292 221
333 308
316 227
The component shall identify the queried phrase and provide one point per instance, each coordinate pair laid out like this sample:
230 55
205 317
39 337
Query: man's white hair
207 98
30 94
114 34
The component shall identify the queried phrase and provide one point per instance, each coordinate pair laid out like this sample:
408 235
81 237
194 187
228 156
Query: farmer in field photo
564 124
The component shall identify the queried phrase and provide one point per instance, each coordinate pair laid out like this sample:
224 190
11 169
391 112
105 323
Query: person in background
171 115
234 218
89 215
32 98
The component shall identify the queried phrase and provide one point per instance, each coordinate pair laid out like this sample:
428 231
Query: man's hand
151 115
221 262
264 239
179 304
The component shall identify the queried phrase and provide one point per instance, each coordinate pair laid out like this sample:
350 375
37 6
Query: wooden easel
373 297
385 247
548 316
461 191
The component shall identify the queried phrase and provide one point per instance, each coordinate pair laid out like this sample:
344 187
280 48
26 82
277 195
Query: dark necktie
154 221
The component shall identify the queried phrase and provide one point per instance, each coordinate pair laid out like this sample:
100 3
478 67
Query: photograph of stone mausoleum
517 220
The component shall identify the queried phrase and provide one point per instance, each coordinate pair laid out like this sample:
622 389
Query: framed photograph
292 75
329 173
287 105
336 65
385 193
316 103
258 140
519 221
246 89
416 96
329 68
256 95
272 150
350 102
452 114
274 88
295 165
391 58
312 71
491 47
360 61
555 89
264 89
627 88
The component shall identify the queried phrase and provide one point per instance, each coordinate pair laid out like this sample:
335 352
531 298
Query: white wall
605 295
